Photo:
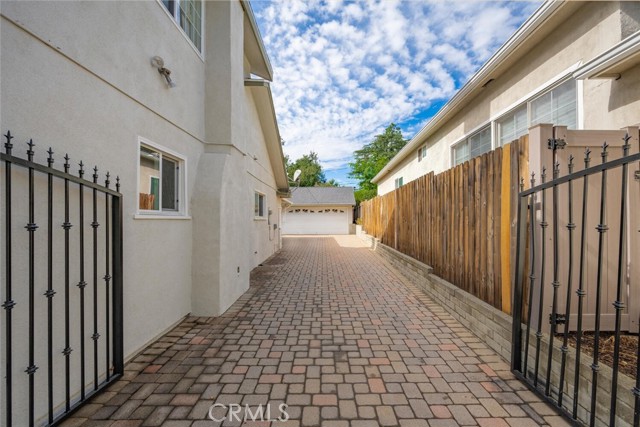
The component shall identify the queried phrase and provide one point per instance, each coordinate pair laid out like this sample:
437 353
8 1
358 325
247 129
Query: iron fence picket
53 412
618 304
543 225
8 304
527 200
570 228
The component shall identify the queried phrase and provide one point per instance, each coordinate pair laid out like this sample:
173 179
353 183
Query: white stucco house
197 148
319 210
574 64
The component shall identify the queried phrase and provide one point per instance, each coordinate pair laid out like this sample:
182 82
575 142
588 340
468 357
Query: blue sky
344 70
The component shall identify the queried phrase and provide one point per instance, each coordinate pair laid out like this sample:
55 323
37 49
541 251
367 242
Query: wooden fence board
460 222
490 230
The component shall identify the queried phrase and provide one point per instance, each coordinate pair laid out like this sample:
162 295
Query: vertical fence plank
490 298
478 230
460 222
505 229
497 227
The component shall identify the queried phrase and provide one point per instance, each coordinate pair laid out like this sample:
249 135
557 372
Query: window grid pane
480 142
169 185
513 126
258 205
557 107
461 153
149 180
190 20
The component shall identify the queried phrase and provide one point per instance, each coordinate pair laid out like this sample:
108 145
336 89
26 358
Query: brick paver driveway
332 331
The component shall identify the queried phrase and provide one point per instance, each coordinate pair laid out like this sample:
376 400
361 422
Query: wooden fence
461 222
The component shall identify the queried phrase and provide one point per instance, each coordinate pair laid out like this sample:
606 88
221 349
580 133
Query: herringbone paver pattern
332 331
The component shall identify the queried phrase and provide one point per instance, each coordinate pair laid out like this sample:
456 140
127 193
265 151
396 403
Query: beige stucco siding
94 96
586 33
91 121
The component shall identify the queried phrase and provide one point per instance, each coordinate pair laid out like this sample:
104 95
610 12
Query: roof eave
612 62
529 27
254 47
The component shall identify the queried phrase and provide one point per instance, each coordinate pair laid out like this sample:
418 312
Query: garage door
316 221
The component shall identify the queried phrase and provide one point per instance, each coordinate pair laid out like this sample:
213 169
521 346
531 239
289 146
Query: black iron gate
63 316
550 355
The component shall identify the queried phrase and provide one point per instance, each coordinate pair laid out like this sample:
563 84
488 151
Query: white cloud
343 70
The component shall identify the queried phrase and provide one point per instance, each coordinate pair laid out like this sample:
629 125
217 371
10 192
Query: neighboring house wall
576 38
77 77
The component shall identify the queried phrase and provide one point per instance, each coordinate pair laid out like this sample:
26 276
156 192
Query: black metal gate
550 355
63 334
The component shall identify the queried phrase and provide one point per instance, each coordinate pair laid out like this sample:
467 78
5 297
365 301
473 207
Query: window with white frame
422 153
558 106
259 205
159 181
188 15
513 125
476 145
398 182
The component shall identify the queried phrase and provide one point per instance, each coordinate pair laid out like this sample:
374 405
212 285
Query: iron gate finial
8 145
570 163
30 151
626 146
604 152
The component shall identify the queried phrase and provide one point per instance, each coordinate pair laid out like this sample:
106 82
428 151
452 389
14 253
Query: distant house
573 64
174 98
319 210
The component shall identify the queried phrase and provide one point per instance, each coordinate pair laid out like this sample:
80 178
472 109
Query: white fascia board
257 39
267 114
541 15
613 56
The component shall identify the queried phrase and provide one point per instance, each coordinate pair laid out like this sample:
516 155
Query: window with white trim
188 15
559 106
398 182
513 125
159 181
422 152
259 205
474 146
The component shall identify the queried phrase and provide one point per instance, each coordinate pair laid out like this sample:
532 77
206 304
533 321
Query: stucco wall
76 76
604 104
82 110
227 241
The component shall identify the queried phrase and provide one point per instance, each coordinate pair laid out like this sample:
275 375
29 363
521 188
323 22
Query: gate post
118 339
516 332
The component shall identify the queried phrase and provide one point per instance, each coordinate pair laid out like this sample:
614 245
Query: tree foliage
312 174
371 158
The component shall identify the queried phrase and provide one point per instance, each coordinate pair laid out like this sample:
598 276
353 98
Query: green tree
330 183
371 158
312 174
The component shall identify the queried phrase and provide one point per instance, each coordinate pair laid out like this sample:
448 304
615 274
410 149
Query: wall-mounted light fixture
158 63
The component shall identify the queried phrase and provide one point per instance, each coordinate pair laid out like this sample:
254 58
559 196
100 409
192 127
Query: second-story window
188 14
